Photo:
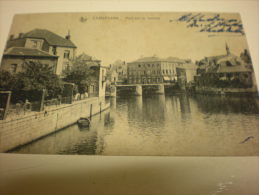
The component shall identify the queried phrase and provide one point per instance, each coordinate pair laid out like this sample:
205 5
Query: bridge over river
139 89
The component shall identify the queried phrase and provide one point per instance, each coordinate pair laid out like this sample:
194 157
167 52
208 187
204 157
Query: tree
81 74
38 76
245 56
6 80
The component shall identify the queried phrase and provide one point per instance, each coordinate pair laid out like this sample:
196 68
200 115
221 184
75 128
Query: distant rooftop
233 69
157 59
50 37
86 57
23 51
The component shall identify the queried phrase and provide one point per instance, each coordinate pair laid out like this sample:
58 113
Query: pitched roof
189 66
211 58
23 51
178 60
86 57
148 59
232 69
157 59
50 37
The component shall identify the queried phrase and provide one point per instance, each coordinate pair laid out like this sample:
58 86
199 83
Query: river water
172 125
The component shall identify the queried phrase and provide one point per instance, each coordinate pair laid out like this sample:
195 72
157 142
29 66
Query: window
54 50
13 68
34 43
246 76
66 66
66 54
139 65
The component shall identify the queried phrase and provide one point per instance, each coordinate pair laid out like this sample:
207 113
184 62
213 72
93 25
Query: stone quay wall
27 128
211 90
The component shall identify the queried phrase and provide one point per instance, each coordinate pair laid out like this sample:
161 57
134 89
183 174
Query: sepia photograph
128 84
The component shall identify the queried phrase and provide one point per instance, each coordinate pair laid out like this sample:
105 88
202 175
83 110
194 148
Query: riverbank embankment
15 132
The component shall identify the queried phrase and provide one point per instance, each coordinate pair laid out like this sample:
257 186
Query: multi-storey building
154 70
45 41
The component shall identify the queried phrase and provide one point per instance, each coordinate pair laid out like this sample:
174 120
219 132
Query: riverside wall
24 129
211 90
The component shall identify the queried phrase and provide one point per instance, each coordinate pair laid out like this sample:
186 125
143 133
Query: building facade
15 58
49 42
120 67
186 74
149 70
112 75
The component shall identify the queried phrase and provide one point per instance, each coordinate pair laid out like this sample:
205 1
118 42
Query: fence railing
22 108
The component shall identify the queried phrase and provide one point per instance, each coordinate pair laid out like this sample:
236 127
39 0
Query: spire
227 49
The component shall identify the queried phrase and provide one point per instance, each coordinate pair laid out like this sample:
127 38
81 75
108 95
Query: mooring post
5 97
91 107
43 93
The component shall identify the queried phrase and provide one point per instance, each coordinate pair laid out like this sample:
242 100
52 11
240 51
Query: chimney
20 35
68 35
11 37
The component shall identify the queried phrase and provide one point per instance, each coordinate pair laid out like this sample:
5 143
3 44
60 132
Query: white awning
167 79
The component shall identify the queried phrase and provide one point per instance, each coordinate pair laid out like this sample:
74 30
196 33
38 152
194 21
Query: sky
129 36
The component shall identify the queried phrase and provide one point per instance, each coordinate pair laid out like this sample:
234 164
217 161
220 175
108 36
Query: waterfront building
120 67
112 75
47 42
98 84
15 58
225 71
149 70
186 74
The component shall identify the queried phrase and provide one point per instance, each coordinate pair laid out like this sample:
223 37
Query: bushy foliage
81 74
36 76
7 80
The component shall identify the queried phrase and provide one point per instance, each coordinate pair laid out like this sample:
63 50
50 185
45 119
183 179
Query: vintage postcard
126 83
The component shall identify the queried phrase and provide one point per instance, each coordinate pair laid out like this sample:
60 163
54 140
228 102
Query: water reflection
227 104
162 125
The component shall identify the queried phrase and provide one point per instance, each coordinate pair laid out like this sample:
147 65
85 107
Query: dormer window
35 43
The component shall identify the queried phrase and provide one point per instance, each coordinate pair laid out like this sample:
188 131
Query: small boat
84 122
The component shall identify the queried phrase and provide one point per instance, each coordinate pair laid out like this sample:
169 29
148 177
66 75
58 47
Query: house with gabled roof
225 71
14 59
49 42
